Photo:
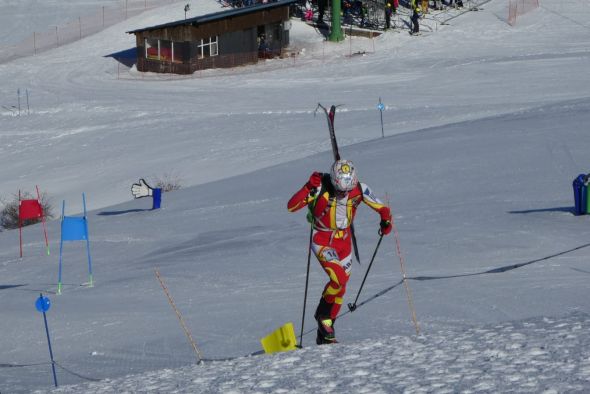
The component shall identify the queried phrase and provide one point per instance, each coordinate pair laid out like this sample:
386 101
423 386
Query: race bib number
329 254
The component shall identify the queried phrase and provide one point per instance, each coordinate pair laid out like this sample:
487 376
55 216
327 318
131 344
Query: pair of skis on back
330 117
330 114
352 306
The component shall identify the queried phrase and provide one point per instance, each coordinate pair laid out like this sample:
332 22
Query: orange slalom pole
403 269
184 327
405 279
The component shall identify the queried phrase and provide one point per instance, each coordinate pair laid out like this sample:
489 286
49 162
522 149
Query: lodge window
165 50
152 49
207 47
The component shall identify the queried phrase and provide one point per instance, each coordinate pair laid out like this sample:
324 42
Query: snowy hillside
485 128
536 355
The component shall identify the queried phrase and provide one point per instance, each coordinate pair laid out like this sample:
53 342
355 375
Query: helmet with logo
343 176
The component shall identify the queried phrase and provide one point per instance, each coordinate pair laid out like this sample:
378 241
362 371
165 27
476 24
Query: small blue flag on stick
43 304
381 107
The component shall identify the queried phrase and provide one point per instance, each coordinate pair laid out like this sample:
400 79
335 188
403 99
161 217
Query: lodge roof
198 20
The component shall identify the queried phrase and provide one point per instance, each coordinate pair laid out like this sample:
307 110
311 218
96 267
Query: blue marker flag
381 107
43 304
74 228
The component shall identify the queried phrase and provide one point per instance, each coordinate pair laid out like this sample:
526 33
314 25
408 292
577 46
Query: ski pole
352 306
306 286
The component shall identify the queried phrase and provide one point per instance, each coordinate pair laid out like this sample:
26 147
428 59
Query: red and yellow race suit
332 214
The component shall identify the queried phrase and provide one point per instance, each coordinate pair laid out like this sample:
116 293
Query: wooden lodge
223 39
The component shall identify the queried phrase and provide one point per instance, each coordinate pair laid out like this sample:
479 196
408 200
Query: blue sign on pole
381 107
43 304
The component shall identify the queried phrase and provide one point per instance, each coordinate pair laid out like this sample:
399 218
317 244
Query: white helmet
343 176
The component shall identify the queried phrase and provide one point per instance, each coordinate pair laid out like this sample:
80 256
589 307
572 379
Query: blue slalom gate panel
74 228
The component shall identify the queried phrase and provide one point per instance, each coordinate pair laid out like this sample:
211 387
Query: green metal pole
336 34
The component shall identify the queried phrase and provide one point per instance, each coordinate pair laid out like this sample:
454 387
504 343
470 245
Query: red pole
20 229
43 220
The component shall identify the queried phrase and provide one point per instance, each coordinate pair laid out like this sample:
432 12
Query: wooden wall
236 45
215 28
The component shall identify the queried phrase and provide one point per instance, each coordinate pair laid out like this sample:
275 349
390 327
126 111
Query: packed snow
485 126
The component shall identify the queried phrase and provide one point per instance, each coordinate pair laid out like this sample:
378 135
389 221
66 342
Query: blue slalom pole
90 278
43 304
61 245
381 107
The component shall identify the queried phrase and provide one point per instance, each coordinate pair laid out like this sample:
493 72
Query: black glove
385 227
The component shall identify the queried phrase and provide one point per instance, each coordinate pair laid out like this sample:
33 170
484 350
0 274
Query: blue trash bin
580 194
156 198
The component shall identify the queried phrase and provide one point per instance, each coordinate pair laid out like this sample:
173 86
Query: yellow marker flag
281 340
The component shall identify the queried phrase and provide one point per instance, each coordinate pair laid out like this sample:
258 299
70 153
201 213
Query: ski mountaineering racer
332 200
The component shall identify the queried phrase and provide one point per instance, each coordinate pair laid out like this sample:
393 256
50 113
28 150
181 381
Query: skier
458 3
388 12
425 6
332 200
308 15
321 10
364 11
415 19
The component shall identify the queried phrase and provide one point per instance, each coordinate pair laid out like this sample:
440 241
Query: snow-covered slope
536 355
485 128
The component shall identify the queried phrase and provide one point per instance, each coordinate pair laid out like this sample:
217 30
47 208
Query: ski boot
326 333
